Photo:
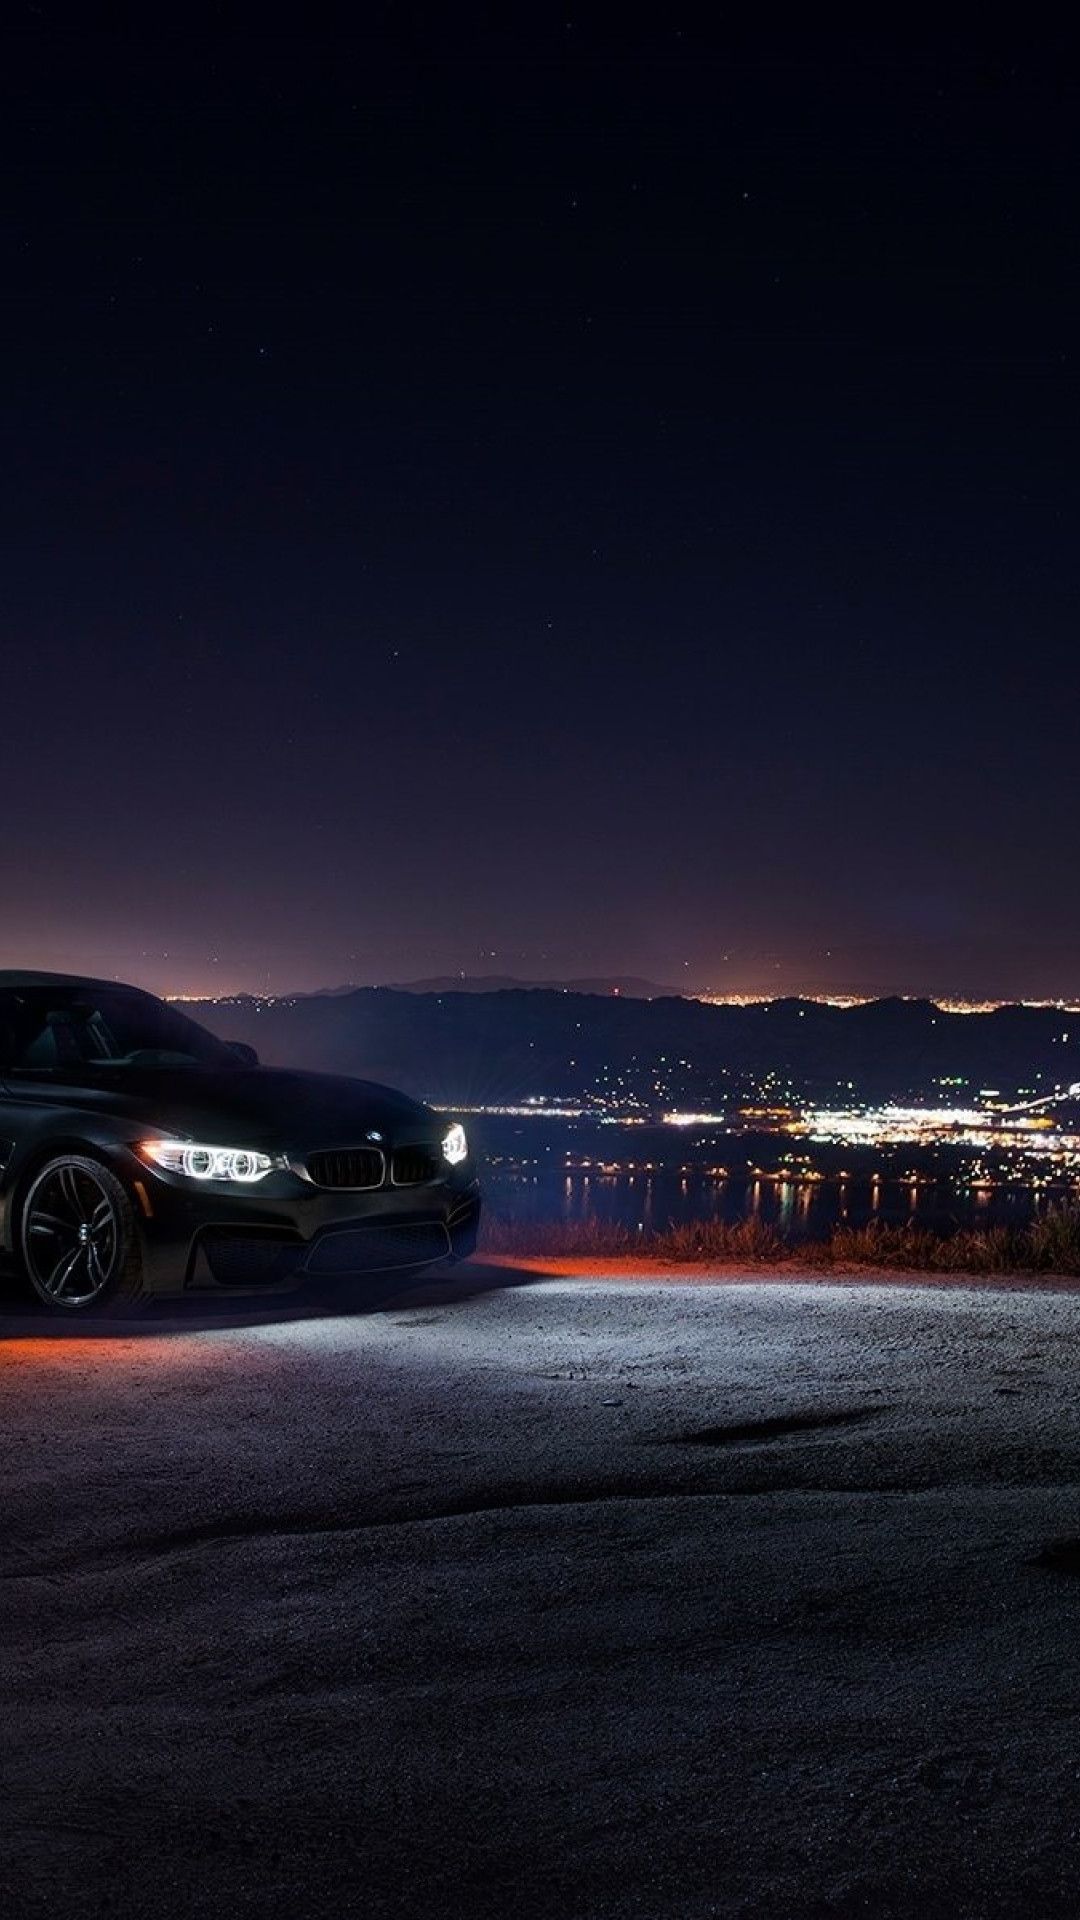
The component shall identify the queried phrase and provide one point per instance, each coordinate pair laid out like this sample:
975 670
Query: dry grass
1050 1244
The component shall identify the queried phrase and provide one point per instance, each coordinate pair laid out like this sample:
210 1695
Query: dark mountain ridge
509 1046
628 984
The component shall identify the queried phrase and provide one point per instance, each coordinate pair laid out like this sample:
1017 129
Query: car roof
11 980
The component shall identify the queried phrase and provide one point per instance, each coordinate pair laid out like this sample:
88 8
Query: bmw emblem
374 1136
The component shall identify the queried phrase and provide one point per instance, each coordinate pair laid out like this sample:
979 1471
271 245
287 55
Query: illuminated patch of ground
578 1598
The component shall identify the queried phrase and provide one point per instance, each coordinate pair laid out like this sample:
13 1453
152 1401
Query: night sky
541 497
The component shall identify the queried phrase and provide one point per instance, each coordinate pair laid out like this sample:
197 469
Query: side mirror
243 1052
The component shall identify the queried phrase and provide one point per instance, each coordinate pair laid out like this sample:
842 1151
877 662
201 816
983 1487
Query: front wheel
80 1249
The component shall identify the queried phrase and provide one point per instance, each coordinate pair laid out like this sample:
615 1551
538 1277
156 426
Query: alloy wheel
71 1235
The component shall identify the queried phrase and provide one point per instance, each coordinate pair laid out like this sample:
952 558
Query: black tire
78 1240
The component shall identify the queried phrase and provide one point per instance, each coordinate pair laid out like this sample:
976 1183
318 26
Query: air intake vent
413 1166
347 1167
236 1261
371 1249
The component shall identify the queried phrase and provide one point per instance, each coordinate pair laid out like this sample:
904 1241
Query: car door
42 1097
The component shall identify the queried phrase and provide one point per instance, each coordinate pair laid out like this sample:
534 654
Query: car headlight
455 1146
197 1162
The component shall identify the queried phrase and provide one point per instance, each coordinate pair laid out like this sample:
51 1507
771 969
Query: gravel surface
540 1596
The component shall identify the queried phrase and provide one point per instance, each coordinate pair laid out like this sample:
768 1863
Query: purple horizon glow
541 507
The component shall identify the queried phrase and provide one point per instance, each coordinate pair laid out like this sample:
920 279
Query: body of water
646 1178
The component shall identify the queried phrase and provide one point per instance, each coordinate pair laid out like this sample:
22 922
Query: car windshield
61 1029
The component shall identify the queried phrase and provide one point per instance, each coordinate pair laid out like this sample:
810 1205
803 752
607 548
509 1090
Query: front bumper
284 1230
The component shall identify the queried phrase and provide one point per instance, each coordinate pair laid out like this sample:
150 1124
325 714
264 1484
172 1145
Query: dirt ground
550 1595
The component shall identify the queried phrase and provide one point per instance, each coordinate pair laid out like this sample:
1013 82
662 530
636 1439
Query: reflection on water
799 1208
540 1173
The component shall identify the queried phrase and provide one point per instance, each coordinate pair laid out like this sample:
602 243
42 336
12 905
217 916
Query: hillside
500 1047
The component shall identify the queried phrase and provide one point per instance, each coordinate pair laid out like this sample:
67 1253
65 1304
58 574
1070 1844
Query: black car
141 1156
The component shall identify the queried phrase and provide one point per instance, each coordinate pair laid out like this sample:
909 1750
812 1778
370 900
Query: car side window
41 1051
33 1039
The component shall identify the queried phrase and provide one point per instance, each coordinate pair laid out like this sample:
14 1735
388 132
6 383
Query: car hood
251 1106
